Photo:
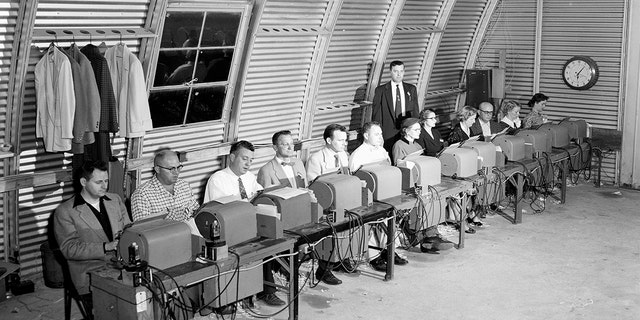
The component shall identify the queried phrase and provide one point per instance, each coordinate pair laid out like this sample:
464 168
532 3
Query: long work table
115 297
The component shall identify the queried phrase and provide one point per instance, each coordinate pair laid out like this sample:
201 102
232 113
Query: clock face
580 73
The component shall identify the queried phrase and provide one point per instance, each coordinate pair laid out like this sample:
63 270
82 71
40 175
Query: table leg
391 247
293 283
463 220
563 182
518 201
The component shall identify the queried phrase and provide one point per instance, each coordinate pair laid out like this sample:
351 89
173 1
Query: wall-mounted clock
580 73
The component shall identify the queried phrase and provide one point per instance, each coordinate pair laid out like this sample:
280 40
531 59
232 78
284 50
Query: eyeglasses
486 112
431 118
172 169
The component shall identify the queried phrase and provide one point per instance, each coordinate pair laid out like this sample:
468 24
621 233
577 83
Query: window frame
244 8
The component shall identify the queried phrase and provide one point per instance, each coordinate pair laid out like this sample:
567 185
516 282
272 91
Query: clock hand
579 72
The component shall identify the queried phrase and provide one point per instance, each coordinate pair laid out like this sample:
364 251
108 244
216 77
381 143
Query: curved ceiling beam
382 49
432 50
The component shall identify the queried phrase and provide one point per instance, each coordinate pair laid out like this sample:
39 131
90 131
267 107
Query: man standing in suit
485 125
393 102
87 226
283 169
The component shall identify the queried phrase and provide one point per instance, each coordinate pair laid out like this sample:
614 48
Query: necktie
398 101
343 170
284 164
243 192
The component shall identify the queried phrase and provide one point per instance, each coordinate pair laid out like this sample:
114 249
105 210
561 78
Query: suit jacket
81 236
87 117
272 174
384 112
431 145
55 100
130 90
494 126
108 112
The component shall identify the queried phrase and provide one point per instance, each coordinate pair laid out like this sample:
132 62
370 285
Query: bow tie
284 164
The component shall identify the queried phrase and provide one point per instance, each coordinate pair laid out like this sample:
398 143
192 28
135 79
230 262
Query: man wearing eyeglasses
485 125
165 194
284 169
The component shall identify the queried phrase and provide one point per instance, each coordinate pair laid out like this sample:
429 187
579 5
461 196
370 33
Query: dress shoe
379 264
228 309
271 299
248 303
347 266
428 248
398 260
327 277
438 243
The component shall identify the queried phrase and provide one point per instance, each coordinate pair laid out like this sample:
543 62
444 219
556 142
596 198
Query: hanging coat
55 100
87 117
130 90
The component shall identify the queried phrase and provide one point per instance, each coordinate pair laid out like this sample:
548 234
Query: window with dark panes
194 66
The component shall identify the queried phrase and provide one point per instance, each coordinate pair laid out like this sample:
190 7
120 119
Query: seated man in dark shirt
87 226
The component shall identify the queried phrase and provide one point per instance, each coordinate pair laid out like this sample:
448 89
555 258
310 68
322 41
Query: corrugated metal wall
348 64
569 28
36 204
8 15
412 35
449 64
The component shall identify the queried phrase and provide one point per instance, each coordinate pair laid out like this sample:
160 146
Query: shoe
474 223
228 309
438 243
347 266
428 248
327 277
247 303
379 264
398 260
271 299
469 231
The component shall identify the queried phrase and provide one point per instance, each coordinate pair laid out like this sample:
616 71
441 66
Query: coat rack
74 34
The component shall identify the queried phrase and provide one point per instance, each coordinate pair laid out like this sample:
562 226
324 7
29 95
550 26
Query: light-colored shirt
324 161
513 124
152 199
224 183
366 154
486 128
534 119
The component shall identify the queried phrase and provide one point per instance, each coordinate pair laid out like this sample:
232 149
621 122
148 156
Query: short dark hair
538 97
241 144
330 129
277 135
88 167
367 126
395 63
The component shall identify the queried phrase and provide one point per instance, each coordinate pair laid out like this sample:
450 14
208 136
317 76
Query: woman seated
535 118
430 138
462 131
511 111
408 144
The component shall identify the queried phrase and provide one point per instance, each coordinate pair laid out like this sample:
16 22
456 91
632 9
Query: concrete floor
580 260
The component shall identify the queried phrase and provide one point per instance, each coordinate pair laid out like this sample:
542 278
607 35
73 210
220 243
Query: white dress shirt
224 183
324 161
366 154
